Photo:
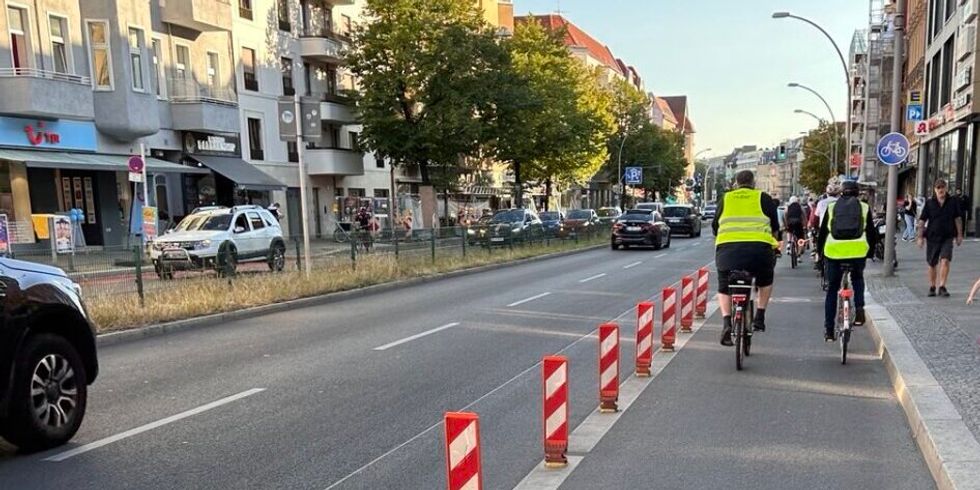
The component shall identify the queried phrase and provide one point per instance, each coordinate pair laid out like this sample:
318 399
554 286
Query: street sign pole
302 186
891 211
146 201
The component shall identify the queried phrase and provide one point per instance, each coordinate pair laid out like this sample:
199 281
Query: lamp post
833 119
843 62
833 164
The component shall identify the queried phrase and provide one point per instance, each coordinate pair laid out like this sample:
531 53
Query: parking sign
633 175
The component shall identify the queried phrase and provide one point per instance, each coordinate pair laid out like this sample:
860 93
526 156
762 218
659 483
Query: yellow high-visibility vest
743 220
846 249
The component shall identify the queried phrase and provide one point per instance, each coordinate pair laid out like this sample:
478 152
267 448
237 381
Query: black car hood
24 266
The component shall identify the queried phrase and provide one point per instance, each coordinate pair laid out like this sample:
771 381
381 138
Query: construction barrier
701 306
555 378
644 338
463 451
687 303
608 367
668 330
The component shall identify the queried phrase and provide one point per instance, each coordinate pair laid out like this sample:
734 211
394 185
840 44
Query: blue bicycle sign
633 175
893 148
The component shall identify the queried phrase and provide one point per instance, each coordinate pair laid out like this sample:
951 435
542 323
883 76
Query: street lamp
843 62
833 119
833 164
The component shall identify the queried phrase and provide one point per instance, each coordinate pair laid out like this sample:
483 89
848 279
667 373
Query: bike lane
794 418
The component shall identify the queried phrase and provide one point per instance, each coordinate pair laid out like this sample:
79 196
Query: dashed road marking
587 279
417 336
528 300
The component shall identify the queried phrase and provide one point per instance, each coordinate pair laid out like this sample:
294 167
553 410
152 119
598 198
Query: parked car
709 211
651 206
552 222
47 356
640 227
248 233
683 219
608 215
514 225
476 233
579 222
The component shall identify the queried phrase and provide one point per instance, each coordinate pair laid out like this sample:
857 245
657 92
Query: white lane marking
527 300
153 425
659 256
417 336
587 279
634 264
695 244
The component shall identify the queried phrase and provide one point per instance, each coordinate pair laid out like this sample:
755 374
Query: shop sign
915 97
210 144
149 223
922 128
49 135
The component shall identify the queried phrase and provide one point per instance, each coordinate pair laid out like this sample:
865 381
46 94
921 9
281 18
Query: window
101 59
248 66
292 153
286 65
17 25
330 74
59 51
950 8
379 162
156 73
183 62
317 18
346 25
381 193
946 91
282 8
245 9
355 192
935 76
307 76
340 192
255 139
257 223
937 17
355 143
241 223
136 57
212 71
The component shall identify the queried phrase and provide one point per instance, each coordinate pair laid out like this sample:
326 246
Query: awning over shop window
91 161
242 173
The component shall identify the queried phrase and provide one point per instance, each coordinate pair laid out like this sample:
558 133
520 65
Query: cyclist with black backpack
847 235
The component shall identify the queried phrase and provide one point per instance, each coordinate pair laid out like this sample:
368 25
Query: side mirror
239 229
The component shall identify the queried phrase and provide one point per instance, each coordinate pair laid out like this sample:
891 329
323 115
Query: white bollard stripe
556 381
647 318
646 343
462 446
609 374
473 484
555 420
687 308
609 343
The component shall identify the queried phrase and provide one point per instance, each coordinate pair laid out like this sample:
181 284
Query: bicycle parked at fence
845 312
741 285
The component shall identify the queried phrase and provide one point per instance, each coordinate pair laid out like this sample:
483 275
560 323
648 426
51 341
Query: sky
729 57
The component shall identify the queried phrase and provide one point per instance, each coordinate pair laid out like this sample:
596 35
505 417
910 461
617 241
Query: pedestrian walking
940 226
973 292
909 211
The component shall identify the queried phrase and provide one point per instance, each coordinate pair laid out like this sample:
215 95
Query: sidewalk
944 331
795 418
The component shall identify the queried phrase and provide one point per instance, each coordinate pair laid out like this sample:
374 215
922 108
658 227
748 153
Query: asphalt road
351 394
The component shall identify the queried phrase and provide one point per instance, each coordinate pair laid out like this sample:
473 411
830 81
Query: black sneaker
943 292
859 318
829 334
758 324
726 337
932 292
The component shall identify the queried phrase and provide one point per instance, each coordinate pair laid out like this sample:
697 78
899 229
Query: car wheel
693 234
668 241
50 389
614 246
277 258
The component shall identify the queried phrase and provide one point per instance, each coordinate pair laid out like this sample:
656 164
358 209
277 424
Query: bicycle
341 235
794 250
845 316
740 284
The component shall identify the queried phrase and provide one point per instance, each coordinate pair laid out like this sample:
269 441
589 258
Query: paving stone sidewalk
944 331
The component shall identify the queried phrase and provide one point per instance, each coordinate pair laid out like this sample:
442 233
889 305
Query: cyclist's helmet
850 188
794 200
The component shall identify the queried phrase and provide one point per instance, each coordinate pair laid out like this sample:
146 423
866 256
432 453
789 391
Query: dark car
683 219
476 232
551 222
47 356
709 211
579 222
608 216
514 225
641 228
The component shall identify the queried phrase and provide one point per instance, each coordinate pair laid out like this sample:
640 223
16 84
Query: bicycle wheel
739 335
747 343
794 253
340 236
845 338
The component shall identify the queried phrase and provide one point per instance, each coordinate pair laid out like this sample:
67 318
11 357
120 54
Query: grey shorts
939 250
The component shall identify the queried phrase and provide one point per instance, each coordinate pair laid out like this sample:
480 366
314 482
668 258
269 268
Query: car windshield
677 212
513 216
206 222
637 214
579 214
550 216
609 213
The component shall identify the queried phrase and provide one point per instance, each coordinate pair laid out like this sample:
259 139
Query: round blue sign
893 148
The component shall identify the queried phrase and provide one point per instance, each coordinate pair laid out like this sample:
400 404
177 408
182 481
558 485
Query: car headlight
203 244
471 232
516 230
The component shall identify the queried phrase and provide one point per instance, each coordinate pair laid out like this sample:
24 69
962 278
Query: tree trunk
424 171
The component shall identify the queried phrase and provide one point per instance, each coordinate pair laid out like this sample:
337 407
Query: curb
112 338
950 450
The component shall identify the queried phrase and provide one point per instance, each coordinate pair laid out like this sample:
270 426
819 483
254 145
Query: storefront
232 180
952 157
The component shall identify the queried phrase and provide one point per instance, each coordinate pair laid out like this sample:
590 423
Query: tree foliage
661 155
817 152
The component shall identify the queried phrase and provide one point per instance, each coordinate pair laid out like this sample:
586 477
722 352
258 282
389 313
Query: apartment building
913 88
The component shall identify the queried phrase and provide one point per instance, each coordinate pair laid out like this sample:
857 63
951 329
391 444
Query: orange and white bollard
668 330
463 451
608 367
555 371
687 303
701 304
644 338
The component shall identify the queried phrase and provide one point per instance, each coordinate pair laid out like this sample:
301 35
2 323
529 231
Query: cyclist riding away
847 234
794 219
746 226
833 191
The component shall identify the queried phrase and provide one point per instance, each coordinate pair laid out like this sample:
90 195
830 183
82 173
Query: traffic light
782 153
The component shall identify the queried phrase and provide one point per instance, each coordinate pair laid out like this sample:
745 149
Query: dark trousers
834 277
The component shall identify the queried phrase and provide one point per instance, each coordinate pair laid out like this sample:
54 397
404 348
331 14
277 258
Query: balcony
333 161
45 94
201 107
323 44
337 109
199 15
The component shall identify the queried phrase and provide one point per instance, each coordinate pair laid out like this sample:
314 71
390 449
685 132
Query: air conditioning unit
963 77
966 42
969 9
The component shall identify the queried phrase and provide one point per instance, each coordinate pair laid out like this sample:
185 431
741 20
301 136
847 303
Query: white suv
248 233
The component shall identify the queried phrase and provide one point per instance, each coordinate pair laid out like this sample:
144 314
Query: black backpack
848 219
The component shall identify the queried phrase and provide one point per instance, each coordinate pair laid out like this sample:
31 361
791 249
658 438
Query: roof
666 110
678 105
576 37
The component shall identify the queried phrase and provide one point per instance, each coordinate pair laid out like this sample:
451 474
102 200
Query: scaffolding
878 94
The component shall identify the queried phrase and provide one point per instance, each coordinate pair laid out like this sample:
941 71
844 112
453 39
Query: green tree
630 107
817 152
661 155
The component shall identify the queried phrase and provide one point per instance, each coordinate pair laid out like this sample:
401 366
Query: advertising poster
62 235
4 235
149 223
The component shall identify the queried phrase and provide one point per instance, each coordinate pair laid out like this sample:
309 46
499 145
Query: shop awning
242 173
91 161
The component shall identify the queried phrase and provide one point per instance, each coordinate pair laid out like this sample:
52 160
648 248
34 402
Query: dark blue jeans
834 277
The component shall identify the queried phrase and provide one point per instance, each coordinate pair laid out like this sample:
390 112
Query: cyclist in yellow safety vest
839 251
747 229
